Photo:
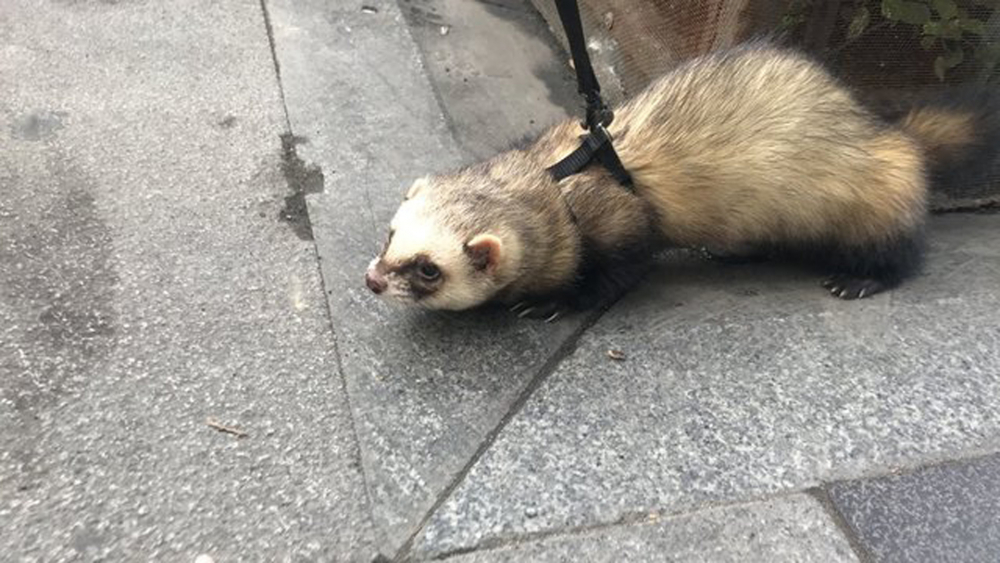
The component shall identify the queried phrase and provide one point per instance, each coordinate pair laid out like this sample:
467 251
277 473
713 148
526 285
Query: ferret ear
418 185
484 251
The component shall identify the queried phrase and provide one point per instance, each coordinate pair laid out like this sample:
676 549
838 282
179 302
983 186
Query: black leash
597 143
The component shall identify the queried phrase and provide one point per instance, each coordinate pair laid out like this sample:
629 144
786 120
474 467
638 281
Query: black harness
596 144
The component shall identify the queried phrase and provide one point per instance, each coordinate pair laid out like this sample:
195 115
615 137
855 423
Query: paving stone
793 528
426 389
496 68
746 380
945 513
147 284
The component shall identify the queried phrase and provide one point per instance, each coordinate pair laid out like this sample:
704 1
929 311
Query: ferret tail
960 136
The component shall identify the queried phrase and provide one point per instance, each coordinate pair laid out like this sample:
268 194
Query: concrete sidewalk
148 285
159 270
746 392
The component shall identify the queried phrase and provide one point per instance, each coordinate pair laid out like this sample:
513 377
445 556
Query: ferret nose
375 282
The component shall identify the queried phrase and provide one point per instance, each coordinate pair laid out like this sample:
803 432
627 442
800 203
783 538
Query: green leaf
988 53
947 61
928 42
859 23
952 30
947 30
906 11
973 26
947 9
939 69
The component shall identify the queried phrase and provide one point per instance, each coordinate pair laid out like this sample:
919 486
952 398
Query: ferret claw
517 307
547 311
848 287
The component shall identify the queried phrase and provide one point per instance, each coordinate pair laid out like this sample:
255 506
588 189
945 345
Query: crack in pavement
548 368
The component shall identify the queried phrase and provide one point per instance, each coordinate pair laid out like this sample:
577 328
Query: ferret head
435 260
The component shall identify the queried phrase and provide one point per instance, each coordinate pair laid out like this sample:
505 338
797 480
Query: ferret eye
429 272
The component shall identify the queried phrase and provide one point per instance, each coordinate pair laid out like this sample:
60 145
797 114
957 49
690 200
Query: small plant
961 30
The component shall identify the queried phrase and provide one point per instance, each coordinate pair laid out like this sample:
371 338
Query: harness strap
597 143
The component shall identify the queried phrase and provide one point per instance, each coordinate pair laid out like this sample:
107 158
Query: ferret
755 151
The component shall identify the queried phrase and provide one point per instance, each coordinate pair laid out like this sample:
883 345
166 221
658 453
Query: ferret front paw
548 311
851 287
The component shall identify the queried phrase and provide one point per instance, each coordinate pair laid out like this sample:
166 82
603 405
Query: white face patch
416 232
419 238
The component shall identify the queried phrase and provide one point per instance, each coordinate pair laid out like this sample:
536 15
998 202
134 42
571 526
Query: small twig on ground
215 424
616 355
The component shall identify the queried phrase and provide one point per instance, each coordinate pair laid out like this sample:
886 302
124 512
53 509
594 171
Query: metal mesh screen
887 50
